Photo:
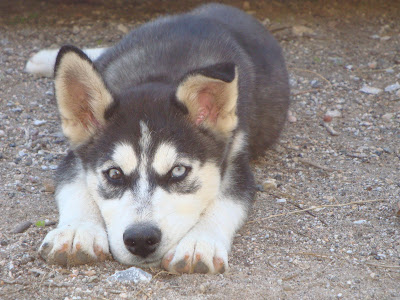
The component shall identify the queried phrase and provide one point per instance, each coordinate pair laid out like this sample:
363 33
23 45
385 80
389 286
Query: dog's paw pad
75 245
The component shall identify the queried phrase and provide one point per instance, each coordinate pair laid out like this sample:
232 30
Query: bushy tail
42 63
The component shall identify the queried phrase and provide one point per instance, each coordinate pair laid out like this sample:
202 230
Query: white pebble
392 87
281 200
360 222
370 90
39 122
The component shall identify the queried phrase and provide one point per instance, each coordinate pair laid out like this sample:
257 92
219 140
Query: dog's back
168 48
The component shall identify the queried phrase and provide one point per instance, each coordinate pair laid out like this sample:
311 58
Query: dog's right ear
81 94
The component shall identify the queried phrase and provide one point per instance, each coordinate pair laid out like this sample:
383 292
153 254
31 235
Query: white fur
80 225
165 158
42 63
125 157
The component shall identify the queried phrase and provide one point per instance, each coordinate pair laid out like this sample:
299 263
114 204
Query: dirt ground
341 146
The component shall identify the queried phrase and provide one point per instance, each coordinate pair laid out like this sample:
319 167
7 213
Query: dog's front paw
75 245
197 254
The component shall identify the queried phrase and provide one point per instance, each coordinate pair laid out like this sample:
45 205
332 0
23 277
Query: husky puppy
161 128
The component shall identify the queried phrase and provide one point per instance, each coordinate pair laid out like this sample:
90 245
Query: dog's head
152 154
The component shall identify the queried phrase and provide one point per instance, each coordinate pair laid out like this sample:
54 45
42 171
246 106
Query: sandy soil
335 250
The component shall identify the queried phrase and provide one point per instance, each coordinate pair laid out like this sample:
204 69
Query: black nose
142 239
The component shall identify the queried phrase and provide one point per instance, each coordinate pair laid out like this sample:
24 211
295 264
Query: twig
310 213
383 266
312 72
305 92
310 254
328 128
315 165
315 207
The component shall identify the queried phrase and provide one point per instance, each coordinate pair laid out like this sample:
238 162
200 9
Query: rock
131 275
373 64
388 116
20 228
39 122
281 200
246 5
75 29
269 184
392 87
327 118
370 90
334 113
49 187
122 28
300 30
359 222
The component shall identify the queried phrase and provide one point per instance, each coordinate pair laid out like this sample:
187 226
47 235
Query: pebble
359 222
122 28
131 275
334 113
370 90
39 122
20 228
301 30
392 87
49 187
388 116
281 200
269 184
373 65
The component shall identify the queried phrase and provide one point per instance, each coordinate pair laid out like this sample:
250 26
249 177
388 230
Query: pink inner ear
207 107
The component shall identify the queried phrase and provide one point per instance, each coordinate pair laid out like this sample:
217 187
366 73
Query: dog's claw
75 245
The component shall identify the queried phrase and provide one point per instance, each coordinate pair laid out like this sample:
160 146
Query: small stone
327 118
281 200
392 87
39 122
2 133
300 30
75 29
90 273
292 119
372 275
370 90
20 228
373 65
269 184
334 113
388 117
246 5
122 28
49 187
359 222
131 275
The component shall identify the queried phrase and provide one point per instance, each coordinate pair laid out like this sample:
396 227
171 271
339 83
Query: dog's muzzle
142 239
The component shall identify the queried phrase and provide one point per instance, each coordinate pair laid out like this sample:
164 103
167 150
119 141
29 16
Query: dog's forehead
145 150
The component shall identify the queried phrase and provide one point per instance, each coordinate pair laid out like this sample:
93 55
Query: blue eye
179 172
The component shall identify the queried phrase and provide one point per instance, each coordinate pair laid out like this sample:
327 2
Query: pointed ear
210 95
81 94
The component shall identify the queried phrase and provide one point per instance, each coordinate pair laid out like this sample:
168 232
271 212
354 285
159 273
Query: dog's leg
80 236
42 63
205 247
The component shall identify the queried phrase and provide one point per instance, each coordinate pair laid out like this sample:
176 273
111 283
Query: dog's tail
42 63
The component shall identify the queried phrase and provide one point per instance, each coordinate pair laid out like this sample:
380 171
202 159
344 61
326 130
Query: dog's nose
142 239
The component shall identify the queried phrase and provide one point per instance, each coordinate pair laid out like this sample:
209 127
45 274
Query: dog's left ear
210 95
81 94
